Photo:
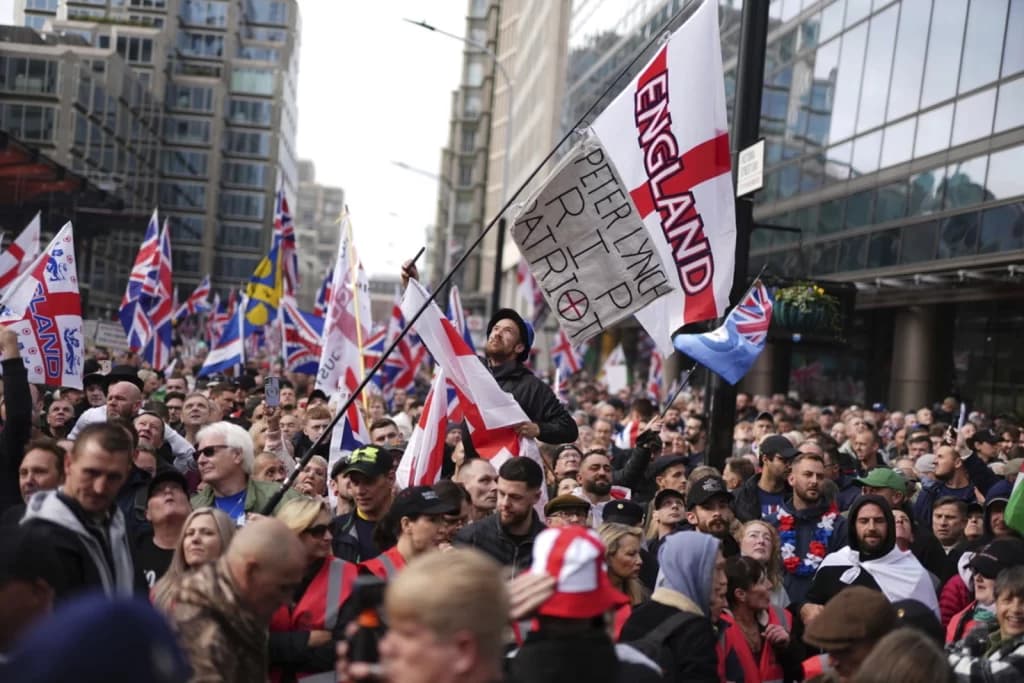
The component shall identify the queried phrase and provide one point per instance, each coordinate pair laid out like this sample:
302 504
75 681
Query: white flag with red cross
20 253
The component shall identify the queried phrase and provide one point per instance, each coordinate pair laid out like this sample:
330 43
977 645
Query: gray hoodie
687 561
47 506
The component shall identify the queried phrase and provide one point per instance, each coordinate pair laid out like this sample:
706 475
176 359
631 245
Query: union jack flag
198 302
142 277
566 356
753 315
223 311
302 332
157 302
323 295
458 316
284 230
373 349
401 366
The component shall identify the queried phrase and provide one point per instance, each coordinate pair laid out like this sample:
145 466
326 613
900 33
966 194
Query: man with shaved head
221 611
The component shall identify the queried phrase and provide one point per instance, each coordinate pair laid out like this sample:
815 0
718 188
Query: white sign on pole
750 169
111 335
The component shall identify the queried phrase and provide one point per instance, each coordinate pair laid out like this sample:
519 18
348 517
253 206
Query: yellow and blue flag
265 288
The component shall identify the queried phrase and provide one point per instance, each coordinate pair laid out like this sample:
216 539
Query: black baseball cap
661 496
167 474
778 445
623 512
421 500
996 556
663 463
704 489
372 461
985 436
765 416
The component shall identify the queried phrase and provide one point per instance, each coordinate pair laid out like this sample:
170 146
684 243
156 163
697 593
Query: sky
374 90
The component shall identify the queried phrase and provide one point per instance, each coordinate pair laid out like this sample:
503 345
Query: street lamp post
510 84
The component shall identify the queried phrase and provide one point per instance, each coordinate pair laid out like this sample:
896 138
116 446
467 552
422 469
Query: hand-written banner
587 245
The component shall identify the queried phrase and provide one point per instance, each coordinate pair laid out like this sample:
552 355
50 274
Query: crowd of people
838 543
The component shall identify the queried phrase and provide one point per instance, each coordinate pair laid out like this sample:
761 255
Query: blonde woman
304 632
204 537
622 556
760 540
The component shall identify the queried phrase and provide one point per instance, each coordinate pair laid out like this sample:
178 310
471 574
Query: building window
249 143
186 195
239 173
30 123
242 205
469 137
245 236
183 163
187 228
180 129
465 173
204 13
253 81
18 74
250 112
234 268
266 12
185 262
204 45
258 53
135 50
192 97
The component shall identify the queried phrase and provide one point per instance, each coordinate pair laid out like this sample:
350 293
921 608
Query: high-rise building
316 229
225 74
894 133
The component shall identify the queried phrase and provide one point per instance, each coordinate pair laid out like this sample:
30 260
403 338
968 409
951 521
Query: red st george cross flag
666 136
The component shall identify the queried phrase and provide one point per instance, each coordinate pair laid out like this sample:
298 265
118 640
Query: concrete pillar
910 379
759 379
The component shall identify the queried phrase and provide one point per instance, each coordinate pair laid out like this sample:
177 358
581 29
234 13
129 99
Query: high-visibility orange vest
317 609
385 565
961 623
765 670
816 666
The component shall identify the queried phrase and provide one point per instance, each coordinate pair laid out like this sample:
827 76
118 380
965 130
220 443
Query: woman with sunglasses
205 536
303 633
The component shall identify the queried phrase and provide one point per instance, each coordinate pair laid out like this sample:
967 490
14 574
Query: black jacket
746 501
16 432
692 645
590 657
537 401
489 536
345 539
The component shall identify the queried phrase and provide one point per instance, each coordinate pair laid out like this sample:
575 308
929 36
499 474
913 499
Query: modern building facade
225 73
317 229
894 136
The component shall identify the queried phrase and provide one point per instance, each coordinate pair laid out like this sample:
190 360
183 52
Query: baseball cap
778 444
574 557
915 614
765 416
663 463
984 436
420 500
661 496
997 556
566 501
704 489
883 478
372 461
525 329
167 474
853 615
623 512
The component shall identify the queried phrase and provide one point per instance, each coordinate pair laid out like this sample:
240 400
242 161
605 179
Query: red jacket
317 609
961 624
954 597
385 565
764 669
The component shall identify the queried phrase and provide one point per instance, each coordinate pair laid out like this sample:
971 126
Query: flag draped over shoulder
20 253
43 306
731 349
229 351
143 276
671 150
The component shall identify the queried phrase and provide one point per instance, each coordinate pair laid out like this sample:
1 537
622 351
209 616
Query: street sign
750 169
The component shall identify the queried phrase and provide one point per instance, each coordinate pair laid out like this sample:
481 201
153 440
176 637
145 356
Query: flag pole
656 37
353 268
682 385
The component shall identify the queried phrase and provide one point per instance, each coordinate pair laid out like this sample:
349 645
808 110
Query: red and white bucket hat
574 557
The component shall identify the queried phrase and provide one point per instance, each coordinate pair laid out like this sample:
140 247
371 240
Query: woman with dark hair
757 646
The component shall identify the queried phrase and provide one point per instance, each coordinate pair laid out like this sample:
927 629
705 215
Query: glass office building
894 141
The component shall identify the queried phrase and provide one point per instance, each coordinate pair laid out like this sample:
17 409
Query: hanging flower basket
806 307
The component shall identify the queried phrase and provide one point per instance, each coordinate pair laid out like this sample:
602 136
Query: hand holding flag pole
410 268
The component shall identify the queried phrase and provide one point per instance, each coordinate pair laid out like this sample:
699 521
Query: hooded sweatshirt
91 554
897 574
687 561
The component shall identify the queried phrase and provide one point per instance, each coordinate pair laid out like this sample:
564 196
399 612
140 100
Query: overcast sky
373 90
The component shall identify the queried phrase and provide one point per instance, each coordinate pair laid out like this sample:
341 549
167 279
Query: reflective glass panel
958 235
822 91
944 42
1009 112
848 80
908 64
918 243
974 116
832 19
858 209
837 163
933 131
823 258
926 191
1002 229
789 181
892 202
831 217
866 150
1004 173
884 249
876 69
983 43
898 142
1013 53
857 10
965 183
852 253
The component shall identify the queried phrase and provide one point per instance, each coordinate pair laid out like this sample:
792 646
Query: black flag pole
683 383
268 509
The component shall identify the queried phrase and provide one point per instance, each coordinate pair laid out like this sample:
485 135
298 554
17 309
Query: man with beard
696 434
955 475
508 536
709 510
808 524
871 560
595 478
481 480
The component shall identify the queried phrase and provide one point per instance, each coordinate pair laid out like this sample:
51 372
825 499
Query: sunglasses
318 531
209 451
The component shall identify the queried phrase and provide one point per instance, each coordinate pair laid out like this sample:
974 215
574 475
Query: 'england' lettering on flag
43 306
666 137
